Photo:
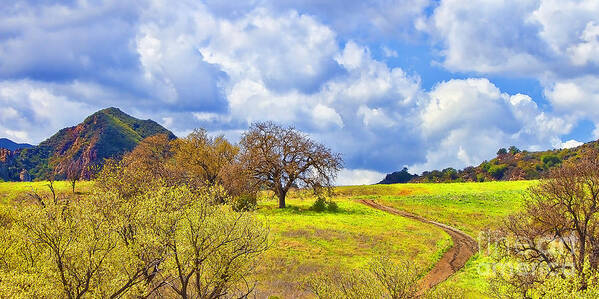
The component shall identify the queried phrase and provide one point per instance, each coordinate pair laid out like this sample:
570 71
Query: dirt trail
454 259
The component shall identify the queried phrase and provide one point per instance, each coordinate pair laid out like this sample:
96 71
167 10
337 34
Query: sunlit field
19 190
305 242
470 207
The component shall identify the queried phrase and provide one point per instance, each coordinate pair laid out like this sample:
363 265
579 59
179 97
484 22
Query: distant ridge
398 177
510 164
108 133
10 145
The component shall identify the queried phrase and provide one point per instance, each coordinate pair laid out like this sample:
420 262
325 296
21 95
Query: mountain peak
108 133
111 110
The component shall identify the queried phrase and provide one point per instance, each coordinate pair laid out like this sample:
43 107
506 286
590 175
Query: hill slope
509 165
108 133
10 145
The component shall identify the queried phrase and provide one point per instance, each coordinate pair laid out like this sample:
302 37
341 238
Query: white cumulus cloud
349 177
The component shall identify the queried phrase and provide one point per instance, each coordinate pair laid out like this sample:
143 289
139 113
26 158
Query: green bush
450 174
485 166
321 205
497 171
480 177
332 206
513 150
550 160
531 174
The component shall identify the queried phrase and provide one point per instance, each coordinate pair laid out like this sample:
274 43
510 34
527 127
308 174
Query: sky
416 83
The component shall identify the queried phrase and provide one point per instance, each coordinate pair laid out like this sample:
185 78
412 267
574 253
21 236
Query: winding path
453 260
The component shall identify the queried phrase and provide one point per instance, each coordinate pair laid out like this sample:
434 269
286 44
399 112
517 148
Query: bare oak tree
281 158
558 230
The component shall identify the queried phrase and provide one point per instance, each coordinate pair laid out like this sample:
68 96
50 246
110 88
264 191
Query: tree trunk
281 197
594 256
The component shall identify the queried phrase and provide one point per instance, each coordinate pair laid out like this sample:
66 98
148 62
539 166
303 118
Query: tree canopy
281 158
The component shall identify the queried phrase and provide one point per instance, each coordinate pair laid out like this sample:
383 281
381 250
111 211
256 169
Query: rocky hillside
509 164
108 133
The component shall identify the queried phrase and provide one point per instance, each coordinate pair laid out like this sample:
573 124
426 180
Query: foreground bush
165 242
382 279
555 239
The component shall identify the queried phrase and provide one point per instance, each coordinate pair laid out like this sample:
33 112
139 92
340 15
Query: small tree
212 251
150 157
51 187
450 174
559 227
502 151
513 150
73 173
66 167
497 171
280 158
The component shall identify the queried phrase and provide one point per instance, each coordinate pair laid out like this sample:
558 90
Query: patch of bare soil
453 260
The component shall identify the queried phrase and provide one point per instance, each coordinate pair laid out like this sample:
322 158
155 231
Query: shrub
383 278
497 171
320 204
531 174
480 177
332 206
550 160
513 150
485 166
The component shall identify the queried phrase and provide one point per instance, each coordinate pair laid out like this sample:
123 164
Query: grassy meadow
470 207
10 191
305 242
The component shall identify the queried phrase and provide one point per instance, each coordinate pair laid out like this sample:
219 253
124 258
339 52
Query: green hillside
509 165
108 133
